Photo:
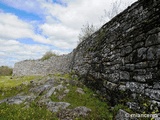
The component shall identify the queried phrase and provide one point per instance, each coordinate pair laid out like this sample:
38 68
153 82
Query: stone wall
124 54
56 64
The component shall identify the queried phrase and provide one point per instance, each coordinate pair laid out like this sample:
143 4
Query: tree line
5 71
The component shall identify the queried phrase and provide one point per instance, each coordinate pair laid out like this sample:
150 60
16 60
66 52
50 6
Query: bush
48 55
86 31
5 71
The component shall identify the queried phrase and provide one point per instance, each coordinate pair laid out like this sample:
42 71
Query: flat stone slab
17 99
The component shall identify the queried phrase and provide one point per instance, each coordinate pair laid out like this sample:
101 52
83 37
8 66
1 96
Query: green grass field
11 86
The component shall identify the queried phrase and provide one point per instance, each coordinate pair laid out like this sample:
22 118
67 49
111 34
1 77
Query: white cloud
11 27
63 31
30 6
60 35
14 51
78 12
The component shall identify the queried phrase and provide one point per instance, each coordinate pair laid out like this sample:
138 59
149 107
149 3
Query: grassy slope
10 87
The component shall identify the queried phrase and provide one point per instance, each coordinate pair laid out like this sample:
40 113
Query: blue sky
21 14
30 28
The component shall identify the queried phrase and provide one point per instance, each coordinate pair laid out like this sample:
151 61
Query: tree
115 9
86 31
5 71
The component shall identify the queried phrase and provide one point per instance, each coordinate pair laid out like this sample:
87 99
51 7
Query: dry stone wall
125 53
56 64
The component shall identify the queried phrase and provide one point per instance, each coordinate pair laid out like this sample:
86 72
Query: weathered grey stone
17 99
153 64
40 89
71 114
133 105
59 87
151 54
157 118
50 81
130 67
158 53
126 50
152 39
109 85
122 115
81 111
2 101
156 102
138 45
56 106
143 78
122 87
50 92
142 53
153 31
66 91
115 67
156 85
140 71
136 87
80 91
114 77
124 75
140 78
141 65
153 94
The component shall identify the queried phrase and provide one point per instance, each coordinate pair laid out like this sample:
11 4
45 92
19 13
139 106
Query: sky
30 28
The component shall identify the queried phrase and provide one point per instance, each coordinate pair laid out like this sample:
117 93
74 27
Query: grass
12 86
21 112
9 82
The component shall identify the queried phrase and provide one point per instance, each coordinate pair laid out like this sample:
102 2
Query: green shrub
86 31
5 71
48 55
